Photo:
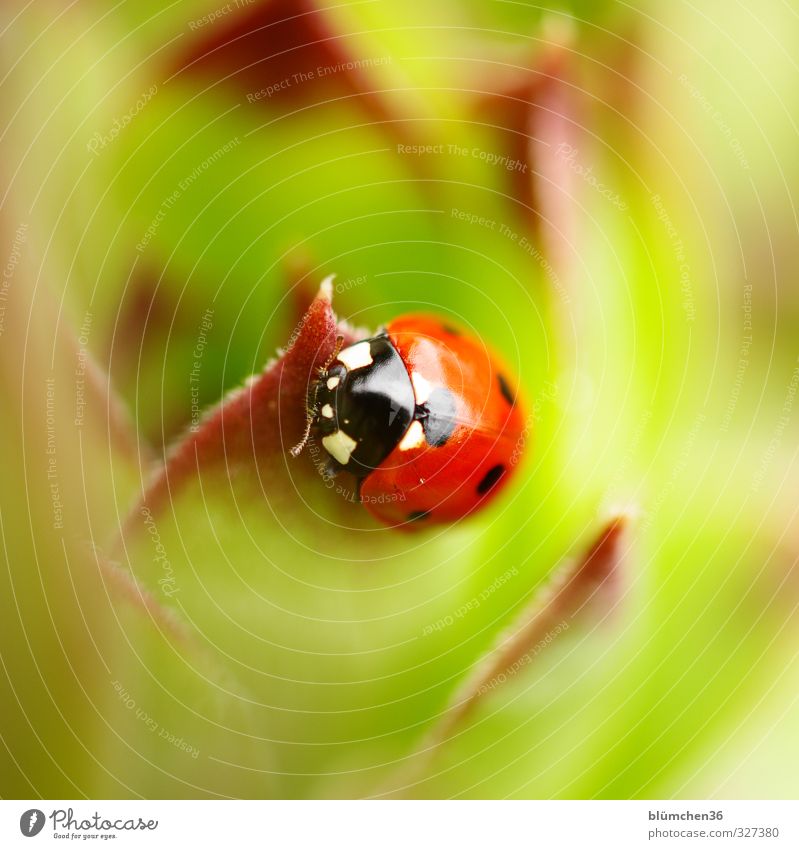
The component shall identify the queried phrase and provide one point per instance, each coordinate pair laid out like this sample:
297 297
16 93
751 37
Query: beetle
423 415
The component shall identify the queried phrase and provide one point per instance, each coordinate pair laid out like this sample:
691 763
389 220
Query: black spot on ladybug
505 390
448 328
418 515
490 478
437 416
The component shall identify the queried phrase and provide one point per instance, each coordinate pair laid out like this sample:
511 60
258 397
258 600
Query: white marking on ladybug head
414 437
333 382
339 446
421 387
327 411
358 355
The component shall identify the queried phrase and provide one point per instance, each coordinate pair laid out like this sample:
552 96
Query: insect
423 416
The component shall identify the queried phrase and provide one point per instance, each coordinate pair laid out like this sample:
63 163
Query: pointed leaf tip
326 288
256 424
549 614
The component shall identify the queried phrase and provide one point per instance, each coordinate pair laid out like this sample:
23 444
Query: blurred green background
605 193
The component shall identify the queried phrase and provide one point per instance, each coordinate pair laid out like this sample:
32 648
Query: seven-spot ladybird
424 418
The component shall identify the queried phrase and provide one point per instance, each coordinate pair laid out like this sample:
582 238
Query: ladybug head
361 403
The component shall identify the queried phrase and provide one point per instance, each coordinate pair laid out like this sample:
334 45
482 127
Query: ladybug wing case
457 453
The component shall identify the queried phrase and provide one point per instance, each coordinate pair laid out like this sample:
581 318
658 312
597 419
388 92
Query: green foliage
299 652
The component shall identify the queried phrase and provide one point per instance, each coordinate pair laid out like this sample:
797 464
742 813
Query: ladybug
422 415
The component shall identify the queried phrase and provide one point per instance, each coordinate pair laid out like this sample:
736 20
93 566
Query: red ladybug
423 416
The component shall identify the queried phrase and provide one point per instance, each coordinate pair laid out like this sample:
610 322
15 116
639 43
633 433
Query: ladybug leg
331 469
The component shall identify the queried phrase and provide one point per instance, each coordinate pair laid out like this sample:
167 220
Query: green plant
582 186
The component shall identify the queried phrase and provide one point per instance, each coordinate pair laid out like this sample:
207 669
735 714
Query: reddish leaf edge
569 596
262 419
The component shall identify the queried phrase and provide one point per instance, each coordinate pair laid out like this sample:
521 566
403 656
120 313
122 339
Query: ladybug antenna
297 449
336 351
310 411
